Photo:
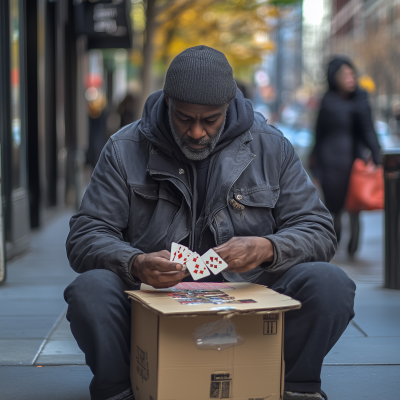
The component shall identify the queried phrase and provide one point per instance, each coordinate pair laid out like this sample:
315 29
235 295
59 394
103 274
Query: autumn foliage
241 29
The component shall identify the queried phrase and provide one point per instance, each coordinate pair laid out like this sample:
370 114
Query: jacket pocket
251 210
257 196
153 212
155 192
149 192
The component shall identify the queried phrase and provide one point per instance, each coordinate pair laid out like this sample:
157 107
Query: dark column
32 112
50 105
5 123
391 165
69 56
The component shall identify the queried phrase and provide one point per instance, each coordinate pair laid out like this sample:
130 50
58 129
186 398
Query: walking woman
344 130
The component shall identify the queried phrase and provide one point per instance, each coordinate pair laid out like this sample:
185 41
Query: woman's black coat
344 128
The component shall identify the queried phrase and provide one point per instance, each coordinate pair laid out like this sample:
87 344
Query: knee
93 290
327 287
325 276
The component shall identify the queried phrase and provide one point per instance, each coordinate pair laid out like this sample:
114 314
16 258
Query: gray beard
189 152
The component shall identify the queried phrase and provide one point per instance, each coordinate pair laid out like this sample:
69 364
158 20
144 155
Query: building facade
44 47
369 33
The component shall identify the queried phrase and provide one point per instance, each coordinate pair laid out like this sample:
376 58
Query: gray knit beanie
200 75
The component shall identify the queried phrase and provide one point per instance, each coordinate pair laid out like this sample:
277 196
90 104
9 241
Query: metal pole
391 165
2 241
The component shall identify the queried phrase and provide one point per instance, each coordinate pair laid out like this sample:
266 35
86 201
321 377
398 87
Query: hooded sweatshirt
333 67
155 126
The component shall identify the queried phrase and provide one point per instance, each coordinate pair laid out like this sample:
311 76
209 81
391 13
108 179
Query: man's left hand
245 253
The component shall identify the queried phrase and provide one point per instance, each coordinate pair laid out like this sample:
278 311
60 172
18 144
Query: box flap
229 298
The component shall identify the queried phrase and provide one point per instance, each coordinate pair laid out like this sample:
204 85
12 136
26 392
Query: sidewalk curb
52 329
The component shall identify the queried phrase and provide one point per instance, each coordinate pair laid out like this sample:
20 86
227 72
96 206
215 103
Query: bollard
391 167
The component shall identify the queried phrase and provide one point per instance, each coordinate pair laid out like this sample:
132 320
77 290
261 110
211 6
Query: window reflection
15 93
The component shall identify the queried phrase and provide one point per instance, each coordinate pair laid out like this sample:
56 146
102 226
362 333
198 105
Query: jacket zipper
192 196
173 176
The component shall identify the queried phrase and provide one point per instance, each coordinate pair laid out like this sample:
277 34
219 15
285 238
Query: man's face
196 128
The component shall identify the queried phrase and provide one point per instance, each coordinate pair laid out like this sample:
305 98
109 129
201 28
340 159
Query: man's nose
196 131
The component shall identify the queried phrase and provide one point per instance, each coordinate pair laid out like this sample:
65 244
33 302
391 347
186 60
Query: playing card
214 262
196 267
186 255
177 251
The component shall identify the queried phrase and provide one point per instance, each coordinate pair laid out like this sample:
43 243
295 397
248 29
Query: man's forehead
196 109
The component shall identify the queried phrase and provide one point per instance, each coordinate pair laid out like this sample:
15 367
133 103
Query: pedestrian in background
97 111
127 110
344 131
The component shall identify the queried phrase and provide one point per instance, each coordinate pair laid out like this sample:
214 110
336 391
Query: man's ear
227 106
166 99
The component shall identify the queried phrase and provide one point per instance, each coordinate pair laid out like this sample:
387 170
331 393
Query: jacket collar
227 166
164 167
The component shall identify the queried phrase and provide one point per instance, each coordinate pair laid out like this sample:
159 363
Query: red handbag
366 187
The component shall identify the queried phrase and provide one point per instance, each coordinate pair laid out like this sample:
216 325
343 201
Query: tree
238 28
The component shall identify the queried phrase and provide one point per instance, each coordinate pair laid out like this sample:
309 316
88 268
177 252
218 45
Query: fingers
233 257
234 264
226 246
163 254
164 265
235 253
229 249
223 252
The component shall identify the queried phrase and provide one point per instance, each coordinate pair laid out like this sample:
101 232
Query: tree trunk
148 50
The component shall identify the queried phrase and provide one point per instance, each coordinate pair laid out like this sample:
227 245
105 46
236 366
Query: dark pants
354 230
99 313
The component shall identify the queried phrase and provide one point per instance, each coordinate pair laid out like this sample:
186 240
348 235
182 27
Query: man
202 169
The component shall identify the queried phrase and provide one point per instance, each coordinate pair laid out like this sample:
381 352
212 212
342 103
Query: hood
333 67
155 125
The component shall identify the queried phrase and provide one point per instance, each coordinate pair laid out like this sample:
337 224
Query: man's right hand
156 270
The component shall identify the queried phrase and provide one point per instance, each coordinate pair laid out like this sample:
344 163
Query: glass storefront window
15 93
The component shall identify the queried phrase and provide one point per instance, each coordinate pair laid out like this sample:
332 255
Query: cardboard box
166 362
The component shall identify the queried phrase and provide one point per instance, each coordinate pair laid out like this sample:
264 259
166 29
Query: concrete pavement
39 359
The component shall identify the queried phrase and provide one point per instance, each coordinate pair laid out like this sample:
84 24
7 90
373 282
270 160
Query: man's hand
156 270
245 253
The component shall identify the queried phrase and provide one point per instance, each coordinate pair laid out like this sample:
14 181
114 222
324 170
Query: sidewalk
39 359
33 325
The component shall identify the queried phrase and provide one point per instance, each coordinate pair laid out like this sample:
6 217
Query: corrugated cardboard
167 365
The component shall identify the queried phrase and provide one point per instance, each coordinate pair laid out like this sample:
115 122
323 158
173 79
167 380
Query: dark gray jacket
140 199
